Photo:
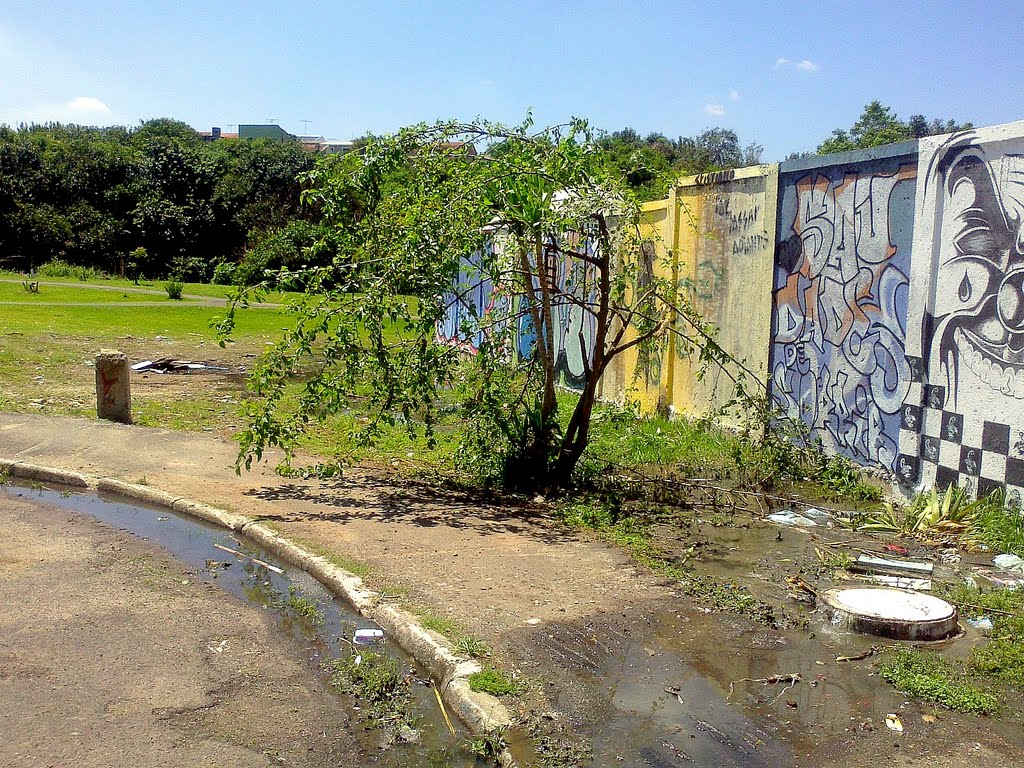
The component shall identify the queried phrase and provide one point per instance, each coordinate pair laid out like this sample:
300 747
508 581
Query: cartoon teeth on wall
978 318
970 315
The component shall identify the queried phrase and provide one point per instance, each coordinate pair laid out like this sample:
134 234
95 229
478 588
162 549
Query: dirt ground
109 656
599 638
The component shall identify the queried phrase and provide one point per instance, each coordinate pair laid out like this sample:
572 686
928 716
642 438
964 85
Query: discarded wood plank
870 564
256 560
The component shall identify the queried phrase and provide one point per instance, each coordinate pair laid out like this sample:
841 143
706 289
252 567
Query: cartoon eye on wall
978 321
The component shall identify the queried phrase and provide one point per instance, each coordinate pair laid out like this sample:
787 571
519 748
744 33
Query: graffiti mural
575 329
840 303
471 298
967 311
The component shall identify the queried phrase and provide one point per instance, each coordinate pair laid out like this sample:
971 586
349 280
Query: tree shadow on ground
411 503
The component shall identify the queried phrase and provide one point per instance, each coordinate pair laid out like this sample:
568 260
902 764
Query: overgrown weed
927 676
494 681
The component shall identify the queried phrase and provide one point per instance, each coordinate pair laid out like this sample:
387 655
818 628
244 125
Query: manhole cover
897 613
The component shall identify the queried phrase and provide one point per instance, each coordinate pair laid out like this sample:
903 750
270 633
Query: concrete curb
483 713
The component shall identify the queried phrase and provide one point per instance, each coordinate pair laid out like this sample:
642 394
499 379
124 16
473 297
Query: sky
782 74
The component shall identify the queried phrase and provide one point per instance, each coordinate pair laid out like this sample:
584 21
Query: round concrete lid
898 613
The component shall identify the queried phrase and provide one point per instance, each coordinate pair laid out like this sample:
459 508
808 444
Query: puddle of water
654 690
193 542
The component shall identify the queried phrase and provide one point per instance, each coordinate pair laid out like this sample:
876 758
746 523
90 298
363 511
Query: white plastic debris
1009 562
981 622
791 518
820 516
368 636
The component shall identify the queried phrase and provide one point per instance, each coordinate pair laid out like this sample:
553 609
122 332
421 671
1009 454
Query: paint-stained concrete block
113 386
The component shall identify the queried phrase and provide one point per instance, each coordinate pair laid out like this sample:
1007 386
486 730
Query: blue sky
782 74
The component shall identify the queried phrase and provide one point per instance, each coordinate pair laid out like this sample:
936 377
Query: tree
554 230
879 125
649 163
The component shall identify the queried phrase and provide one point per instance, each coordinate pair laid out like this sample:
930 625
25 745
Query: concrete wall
963 413
877 295
724 242
842 271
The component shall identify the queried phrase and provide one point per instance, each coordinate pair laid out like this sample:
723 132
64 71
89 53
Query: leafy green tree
529 202
649 163
879 125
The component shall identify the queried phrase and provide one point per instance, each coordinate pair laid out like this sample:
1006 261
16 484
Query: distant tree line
153 201
157 200
648 164
878 125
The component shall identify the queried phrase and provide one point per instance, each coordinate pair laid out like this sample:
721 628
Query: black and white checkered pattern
940 447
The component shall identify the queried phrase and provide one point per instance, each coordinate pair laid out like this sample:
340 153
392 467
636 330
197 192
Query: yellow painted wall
717 232
725 247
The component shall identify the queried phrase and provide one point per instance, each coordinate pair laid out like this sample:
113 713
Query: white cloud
734 95
804 65
88 104
86 110
715 110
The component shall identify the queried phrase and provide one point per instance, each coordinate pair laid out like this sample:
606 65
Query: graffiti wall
724 246
878 295
471 297
963 412
842 274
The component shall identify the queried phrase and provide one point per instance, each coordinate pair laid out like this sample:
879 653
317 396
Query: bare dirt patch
113 655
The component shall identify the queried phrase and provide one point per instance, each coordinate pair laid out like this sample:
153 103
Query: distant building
215 133
272 132
325 146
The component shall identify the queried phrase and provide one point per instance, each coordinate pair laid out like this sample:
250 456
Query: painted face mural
969 318
978 319
841 285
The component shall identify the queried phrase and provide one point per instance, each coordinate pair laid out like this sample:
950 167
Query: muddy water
192 542
683 685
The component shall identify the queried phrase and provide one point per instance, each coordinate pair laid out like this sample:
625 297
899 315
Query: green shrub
62 269
174 289
225 273
289 246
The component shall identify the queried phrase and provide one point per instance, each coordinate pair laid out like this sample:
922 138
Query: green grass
85 293
1000 657
176 321
471 646
462 642
926 676
1000 528
440 624
494 681
207 290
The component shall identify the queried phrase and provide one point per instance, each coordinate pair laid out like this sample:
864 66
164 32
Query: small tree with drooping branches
420 220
